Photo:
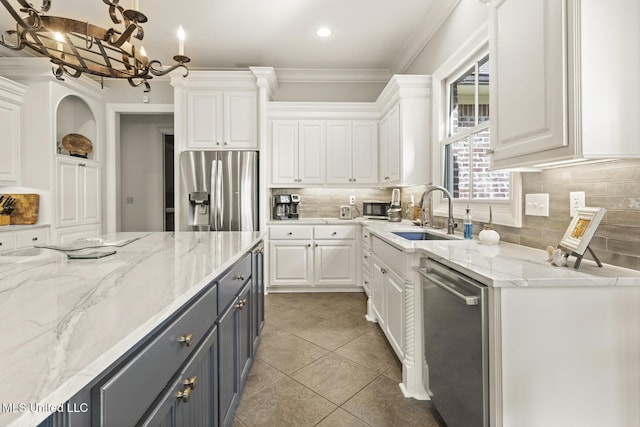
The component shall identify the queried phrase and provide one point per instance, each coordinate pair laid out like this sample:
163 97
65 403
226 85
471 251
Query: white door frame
112 165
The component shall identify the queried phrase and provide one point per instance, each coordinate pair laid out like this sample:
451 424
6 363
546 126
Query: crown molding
310 75
433 20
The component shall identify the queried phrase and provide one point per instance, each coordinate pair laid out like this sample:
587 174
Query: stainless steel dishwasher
456 345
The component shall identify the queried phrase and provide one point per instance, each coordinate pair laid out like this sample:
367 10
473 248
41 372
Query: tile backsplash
614 185
326 202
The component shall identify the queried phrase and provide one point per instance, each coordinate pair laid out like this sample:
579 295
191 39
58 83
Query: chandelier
76 47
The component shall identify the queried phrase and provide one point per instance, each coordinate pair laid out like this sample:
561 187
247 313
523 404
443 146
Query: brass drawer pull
239 277
184 395
334 233
187 340
190 382
241 304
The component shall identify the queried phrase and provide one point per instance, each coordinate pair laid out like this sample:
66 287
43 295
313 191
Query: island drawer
334 232
229 285
37 236
125 396
286 232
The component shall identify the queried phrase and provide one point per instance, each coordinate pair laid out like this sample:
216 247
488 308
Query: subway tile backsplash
326 202
614 185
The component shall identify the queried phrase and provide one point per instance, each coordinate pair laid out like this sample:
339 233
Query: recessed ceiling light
324 32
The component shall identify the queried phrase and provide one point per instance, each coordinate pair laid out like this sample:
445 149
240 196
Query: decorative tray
92 242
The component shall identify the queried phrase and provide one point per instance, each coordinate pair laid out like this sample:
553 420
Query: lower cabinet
235 354
23 238
306 256
191 397
257 295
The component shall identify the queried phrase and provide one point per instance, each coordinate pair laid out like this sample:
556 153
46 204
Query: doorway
146 194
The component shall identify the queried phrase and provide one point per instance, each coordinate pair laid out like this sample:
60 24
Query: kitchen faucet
430 188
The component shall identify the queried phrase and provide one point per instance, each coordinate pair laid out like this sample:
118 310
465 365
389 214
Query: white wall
465 19
121 92
141 165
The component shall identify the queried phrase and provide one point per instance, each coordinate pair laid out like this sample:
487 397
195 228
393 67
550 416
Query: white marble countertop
65 321
504 264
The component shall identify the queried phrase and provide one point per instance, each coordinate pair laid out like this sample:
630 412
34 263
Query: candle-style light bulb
59 39
143 52
181 37
135 5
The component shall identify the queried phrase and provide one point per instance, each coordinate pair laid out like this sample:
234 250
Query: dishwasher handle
466 299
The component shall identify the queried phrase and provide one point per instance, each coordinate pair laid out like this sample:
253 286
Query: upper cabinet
298 152
562 74
352 152
405 129
216 110
11 94
221 119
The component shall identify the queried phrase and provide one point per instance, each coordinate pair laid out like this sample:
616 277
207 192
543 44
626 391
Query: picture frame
578 235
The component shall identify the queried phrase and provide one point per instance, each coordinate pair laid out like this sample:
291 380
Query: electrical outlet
352 200
576 201
129 200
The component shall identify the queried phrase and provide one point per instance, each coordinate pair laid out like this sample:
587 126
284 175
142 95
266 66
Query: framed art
580 232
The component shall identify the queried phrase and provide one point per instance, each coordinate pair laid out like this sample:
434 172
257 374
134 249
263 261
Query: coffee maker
285 206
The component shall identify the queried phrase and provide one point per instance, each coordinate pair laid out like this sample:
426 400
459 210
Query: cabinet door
68 193
394 287
240 120
227 365
191 398
378 294
245 339
335 263
69 234
339 153
311 155
204 119
365 152
284 140
528 97
291 262
257 296
90 192
10 142
390 147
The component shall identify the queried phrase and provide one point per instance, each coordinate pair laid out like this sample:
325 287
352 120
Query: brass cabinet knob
334 233
184 395
241 304
190 382
187 340
34 239
239 277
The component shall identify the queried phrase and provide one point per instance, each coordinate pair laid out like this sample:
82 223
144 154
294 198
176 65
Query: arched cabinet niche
74 116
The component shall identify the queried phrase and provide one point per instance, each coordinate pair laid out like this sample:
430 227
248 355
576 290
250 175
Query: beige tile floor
320 363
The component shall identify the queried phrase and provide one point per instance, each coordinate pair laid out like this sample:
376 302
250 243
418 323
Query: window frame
505 212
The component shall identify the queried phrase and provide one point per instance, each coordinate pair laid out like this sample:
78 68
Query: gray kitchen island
165 329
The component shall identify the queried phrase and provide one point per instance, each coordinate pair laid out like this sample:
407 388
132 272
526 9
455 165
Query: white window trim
504 212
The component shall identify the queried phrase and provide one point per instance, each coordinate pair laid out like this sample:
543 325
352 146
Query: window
466 165
460 160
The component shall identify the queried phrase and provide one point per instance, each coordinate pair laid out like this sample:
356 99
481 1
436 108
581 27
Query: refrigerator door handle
215 194
219 198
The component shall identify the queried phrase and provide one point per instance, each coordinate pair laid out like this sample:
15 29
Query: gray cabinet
191 398
257 295
235 353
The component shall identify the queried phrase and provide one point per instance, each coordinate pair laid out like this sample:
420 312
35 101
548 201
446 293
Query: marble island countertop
65 321
504 264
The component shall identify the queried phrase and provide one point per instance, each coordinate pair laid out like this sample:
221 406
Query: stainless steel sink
420 235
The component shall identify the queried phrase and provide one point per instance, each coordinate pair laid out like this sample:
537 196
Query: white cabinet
313 256
298 152
405 129
78 195
390 146
352 152
221 119
561 75
10 104
23 238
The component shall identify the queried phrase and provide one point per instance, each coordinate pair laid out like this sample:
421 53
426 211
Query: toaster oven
375 210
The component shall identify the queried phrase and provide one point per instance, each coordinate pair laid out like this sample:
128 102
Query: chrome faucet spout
430 189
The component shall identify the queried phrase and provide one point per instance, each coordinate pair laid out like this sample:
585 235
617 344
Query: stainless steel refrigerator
218 191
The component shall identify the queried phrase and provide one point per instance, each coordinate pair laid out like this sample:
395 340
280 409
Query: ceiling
227 34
